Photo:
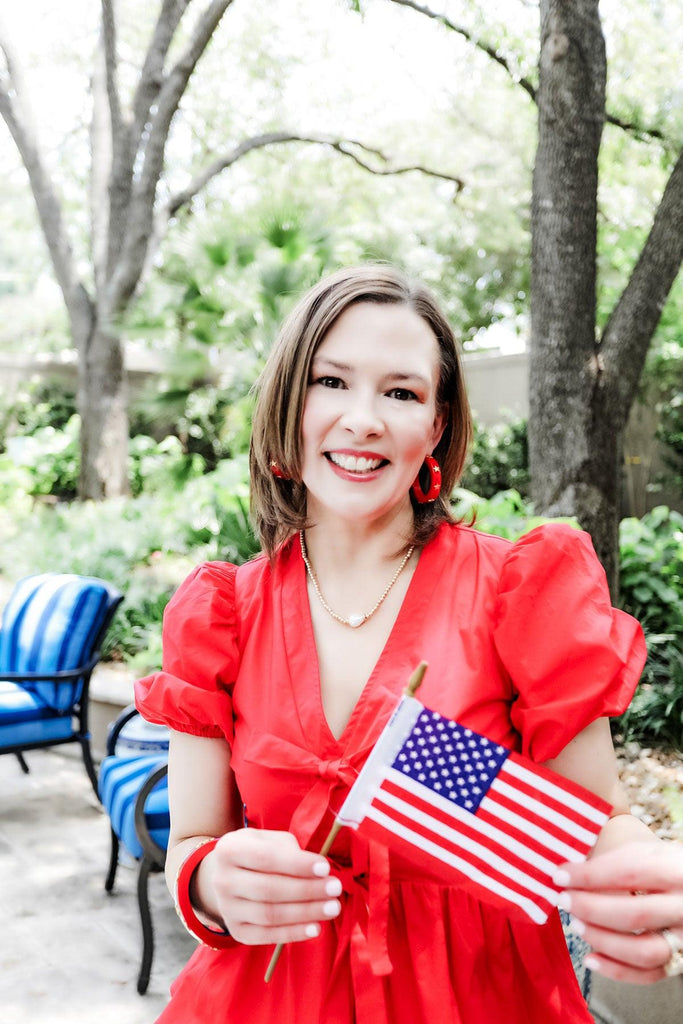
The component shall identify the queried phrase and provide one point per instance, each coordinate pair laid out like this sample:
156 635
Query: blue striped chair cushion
25 719
121 779
50 624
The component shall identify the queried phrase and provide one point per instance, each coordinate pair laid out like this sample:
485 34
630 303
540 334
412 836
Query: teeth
353 463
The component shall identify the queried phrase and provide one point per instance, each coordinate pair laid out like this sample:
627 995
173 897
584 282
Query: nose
362 416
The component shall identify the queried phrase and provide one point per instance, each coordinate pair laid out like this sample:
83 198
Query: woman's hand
621 901
265 888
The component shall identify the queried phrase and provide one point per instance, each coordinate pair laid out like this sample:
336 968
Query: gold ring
674 964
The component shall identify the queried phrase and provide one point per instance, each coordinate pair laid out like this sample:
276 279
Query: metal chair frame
153 856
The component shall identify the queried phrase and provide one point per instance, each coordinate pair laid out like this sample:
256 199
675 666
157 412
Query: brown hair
279 506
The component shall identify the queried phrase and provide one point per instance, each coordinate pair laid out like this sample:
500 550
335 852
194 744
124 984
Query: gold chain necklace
356 620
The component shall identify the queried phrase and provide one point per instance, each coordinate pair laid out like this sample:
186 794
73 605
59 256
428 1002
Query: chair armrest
63 676
150 848
130 712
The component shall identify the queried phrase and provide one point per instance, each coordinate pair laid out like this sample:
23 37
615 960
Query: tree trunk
103 405
573 440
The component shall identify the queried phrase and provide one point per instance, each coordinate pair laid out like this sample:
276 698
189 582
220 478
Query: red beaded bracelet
183 904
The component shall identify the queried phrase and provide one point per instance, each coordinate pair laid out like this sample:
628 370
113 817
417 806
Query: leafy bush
499 460
144 546
48 460
506 514
651 554
651 568
36 404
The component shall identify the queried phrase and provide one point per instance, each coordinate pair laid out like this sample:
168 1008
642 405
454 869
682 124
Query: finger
268 888
647 952
277 915
653 866
270 852
257 935
618 971
623 912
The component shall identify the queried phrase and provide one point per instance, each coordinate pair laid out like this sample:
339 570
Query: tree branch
101 158
16 112
111 67
141 216
481 44
342 146
151 76
634 319
133 134
495 55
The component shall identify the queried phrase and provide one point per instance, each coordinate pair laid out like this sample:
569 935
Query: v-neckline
304 667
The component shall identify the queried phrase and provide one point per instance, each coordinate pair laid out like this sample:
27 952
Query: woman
279 676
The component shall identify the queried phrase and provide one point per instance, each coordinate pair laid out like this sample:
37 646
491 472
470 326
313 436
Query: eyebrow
414 378
318 360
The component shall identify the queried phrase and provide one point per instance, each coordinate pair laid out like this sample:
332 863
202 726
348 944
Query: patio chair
52 629
134 793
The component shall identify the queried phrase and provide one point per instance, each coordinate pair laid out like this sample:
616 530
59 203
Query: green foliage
651 574
39 441
499 460
652 589
48 460
144 546
37 404
506 514
156 467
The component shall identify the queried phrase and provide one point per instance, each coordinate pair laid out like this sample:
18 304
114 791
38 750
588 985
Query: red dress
523 646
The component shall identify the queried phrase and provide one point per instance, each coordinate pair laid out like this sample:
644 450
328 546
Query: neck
341 546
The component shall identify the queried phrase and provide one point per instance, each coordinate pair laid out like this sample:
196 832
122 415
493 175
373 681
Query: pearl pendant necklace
356 619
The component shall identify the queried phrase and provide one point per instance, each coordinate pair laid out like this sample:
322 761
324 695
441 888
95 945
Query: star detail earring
425 497
276 471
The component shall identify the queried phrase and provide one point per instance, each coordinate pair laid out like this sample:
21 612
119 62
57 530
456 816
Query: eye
402 395
330 382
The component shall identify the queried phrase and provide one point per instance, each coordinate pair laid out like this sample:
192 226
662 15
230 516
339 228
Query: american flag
471 812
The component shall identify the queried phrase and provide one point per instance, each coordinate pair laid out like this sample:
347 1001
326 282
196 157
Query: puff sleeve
571 656
192 693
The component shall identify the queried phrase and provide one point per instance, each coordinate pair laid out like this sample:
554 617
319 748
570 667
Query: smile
355 463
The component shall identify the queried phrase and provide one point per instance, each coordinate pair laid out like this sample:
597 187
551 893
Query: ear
440 421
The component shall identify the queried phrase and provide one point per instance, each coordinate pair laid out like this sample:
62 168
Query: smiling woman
280 675
399 338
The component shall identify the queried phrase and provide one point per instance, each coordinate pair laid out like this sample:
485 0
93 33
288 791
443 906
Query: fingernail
312 931
578 926
333 887
564 901
561 878
591 963
321 868
331 908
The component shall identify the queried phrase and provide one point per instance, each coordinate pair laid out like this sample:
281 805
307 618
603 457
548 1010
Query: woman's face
370 413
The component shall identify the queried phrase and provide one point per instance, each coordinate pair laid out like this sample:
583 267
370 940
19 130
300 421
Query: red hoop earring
276 471
434 489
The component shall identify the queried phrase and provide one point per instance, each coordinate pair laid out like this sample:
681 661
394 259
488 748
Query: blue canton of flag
455 762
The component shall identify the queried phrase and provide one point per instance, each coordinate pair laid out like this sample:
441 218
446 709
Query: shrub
499 460
506 514
145 546
48 458
651 557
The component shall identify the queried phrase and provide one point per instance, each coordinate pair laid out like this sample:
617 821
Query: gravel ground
653 780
